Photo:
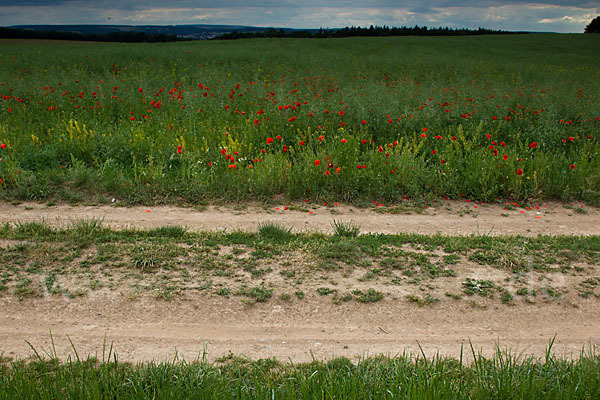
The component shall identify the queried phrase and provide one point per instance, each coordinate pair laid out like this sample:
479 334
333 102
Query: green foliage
137 123
274 231
345 229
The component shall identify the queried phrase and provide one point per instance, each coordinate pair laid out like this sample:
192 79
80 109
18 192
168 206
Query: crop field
351 120
410 217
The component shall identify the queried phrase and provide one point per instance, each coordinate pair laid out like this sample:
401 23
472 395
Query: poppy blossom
3 146
453 138
269 140
423 135
344 140
317 162
433 152
363 122
519 172
179 149
364 141
572 166
533 145
302 143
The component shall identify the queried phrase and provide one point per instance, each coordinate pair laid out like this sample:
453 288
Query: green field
359 119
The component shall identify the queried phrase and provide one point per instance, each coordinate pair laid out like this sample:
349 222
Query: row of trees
123 36
359 31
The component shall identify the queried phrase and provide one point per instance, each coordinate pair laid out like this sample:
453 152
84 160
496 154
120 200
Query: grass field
504 376
492 117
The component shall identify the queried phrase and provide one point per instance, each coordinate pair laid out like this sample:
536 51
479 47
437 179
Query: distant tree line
123 36
358 31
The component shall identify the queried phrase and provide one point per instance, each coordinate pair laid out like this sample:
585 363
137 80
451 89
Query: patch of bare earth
134 314
446 217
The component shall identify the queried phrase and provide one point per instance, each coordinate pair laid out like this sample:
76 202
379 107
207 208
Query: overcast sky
542 15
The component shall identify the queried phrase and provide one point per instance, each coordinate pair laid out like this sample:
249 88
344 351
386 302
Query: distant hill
198 31
169 33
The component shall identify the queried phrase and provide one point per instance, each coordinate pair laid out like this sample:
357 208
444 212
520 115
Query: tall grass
503 376
247 119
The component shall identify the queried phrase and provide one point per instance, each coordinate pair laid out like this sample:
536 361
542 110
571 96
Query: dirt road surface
149 329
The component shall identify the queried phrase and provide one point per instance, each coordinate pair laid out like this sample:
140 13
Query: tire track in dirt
446 218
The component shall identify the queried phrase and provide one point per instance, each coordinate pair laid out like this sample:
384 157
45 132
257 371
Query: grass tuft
345 229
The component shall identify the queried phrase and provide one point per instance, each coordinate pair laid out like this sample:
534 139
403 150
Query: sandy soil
448 217
150 329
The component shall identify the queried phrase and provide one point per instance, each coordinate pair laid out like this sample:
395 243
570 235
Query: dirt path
448 217
149 329
153 330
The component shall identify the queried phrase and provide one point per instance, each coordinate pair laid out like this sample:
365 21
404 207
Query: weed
274 231
371 296
345 229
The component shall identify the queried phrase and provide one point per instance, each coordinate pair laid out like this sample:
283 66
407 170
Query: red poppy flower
364 141
327 173
423 135
344 140
433 152
179 149
341 112
505 157
533 145
3 146
453 137
223 151
269 140
278 137
443 161
380 149
301 143
363 122
571 138
317 162
572 166
519 172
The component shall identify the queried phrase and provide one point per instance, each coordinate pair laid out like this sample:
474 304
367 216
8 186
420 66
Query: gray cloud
545 15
